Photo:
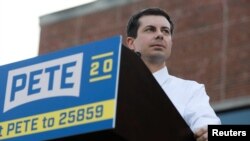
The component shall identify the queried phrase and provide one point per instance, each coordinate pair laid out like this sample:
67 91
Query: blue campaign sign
69 92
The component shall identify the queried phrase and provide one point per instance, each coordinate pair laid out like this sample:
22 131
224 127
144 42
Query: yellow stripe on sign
100 78
69 117
102 55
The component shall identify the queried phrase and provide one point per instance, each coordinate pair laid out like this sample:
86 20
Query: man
149 32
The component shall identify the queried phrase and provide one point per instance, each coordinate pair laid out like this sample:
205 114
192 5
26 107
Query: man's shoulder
186 82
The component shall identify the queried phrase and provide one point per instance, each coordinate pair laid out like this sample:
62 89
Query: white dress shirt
189 98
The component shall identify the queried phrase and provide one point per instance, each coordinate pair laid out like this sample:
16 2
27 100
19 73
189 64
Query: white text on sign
58 77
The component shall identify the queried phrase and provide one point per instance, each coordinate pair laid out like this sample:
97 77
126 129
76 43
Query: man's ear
130 43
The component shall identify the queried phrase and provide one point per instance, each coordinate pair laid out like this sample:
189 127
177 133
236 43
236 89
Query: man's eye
166 31
149 29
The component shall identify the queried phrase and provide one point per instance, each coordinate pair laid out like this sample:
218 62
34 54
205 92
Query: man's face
154 40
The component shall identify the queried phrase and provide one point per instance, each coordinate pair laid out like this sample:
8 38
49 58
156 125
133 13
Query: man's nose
159 35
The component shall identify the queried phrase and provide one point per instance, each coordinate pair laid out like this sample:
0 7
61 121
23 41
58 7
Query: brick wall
211 40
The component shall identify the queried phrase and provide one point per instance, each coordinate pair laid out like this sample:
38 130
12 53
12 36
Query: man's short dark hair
134 24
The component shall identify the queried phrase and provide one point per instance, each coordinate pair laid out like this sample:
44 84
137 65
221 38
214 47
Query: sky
19 26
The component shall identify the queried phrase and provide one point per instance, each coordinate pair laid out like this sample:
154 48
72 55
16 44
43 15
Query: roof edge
230 104
81 10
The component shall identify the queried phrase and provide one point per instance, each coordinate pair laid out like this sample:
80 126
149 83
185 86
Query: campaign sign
69 92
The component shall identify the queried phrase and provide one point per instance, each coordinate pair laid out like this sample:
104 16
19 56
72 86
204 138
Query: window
235 116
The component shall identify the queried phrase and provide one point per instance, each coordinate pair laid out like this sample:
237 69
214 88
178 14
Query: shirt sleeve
198 111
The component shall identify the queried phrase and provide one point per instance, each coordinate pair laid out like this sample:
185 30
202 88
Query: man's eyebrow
165 27
149 26
154 26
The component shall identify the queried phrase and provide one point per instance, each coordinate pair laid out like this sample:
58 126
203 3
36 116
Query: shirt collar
161 75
